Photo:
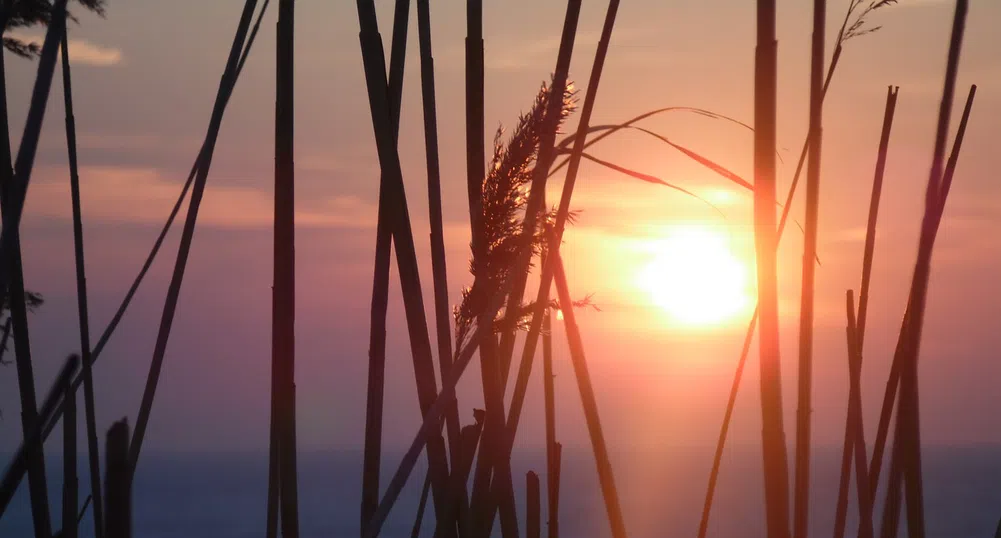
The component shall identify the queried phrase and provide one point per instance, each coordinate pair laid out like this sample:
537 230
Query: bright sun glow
695 277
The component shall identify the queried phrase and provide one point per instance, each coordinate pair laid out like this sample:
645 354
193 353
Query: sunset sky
145 79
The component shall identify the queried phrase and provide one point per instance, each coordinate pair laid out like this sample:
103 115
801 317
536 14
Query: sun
695 278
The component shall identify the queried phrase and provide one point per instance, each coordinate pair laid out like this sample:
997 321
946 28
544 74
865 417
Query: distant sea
224 495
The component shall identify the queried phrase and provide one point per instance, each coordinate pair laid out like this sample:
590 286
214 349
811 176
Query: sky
144 82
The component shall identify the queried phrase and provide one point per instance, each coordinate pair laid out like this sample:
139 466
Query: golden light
695 277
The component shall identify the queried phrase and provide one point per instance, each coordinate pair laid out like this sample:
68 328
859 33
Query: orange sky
145 78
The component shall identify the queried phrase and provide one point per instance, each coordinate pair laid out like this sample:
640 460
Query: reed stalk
857 437
380 286
69 466
475 130
16 190
118 481
375 77
801 497
533 507
892 383
19 319
498 423
536 196
549 396
909 437
590 404
93 451
773 438
283 291
33 442
439 269
173 292
425 490
229 79
841 509
562 215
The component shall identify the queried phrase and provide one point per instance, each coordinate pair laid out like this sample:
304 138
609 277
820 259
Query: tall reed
801 498
228 82
380 285
549 397
118 481
70 485
855 419
93 452
773 438
13 189
533 506
375 77
841 510
590 405
908 440
187 234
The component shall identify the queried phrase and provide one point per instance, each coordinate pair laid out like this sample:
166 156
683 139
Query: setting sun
695 277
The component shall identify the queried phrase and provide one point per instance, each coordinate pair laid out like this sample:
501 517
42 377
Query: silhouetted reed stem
549 395
857 435
801 498
32 442
118 482
841 509
283 291
14 282
69 466
229 79
752 325
589 402
93 451
375 77
17 189
439 271
908 440
380 285
419 520
173 292
533 507
776 470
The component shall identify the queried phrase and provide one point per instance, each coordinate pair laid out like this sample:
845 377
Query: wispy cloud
142 196
82 51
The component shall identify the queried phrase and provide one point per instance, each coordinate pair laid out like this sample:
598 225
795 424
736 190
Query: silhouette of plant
28 13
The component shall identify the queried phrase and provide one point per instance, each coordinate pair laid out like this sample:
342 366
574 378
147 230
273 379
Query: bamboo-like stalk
93 451
475 130
416 531
229 80
841 510
857 437
533 507
173 292
438 265
118 482
498 423
773 438
562 215
549 396
590 404
557 469
909 437
752 325
18 322
375 77
543 162
69 466
892 383
17 189
283 291
32 443
380 286
801 497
